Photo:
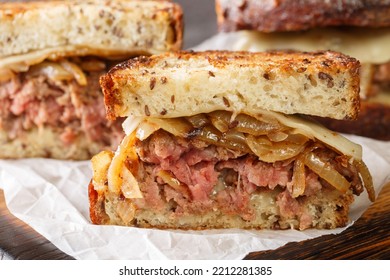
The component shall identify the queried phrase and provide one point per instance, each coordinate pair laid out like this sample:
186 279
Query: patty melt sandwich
217 140
51 57
360 29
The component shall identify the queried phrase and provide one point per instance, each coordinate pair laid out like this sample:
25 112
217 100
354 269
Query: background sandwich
213 141
51 57
357 28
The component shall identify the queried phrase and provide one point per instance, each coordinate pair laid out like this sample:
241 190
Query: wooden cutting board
368 238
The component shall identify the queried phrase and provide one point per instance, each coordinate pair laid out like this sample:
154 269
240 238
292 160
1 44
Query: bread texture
285 15
178 84
105 28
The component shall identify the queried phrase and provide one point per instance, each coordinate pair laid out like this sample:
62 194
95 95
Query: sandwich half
52 54
218 140
360 29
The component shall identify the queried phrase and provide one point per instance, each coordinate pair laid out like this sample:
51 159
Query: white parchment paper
51 196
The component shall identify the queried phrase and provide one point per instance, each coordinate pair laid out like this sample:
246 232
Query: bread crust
96 206
288 82
114 26
286 15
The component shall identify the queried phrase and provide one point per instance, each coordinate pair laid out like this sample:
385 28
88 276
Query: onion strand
298 179
326 172
270 152
367 179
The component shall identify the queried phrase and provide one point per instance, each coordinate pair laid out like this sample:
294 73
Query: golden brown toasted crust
373 122
145 85
287 15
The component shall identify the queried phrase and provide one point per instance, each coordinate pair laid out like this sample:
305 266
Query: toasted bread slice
175 84
329 208
285 15
37 30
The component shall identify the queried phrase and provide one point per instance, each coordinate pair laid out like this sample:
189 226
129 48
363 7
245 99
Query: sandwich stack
218 140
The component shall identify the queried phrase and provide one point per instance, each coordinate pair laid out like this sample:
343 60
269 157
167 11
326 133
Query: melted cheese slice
367 45
321 133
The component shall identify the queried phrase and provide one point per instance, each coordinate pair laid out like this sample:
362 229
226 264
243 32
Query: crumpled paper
52 197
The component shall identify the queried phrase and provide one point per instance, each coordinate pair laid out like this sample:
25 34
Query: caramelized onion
235 136
93 65
220 120
198 120
326 172
177 126
20 67
313 130
212 135
130 124
277 136
130 187
297 139
52 70
168 178
6 75
367 179
253 126
298 179
125 154
75 71
271 152
145 129
100 164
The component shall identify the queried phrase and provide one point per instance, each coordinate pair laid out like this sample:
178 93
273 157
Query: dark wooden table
368 238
